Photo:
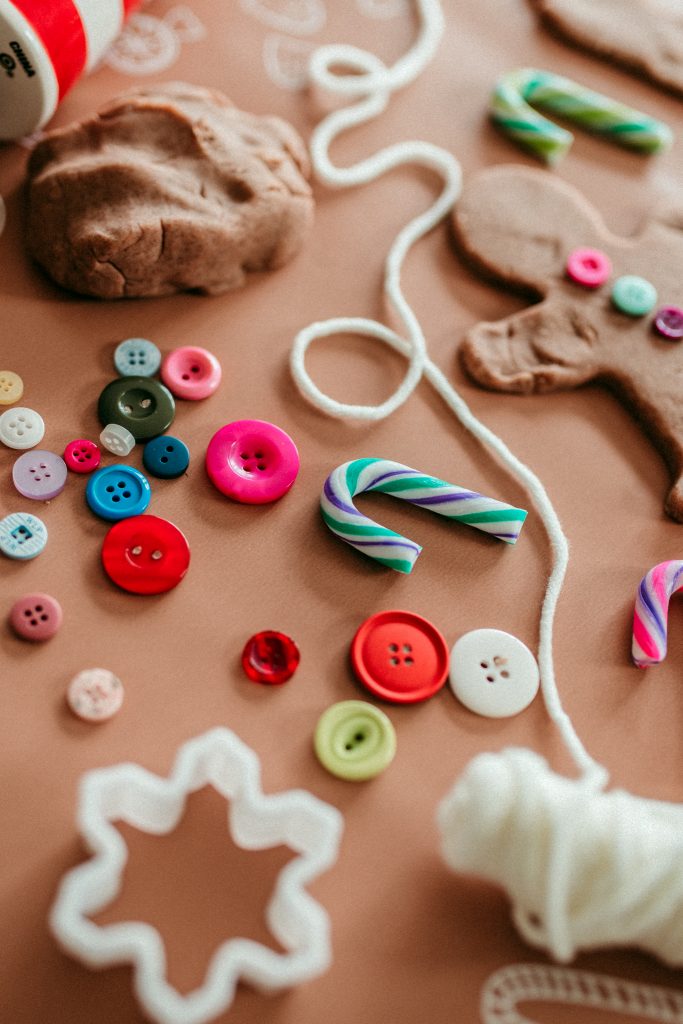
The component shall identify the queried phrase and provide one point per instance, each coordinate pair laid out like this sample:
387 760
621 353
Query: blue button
118 492
137 357
166 456
22 535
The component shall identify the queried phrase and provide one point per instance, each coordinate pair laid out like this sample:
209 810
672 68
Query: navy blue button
166 457
118 492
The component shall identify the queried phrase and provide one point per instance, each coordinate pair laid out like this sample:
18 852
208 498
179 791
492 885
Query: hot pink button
252 461
589 267
36 616
191 372
82 456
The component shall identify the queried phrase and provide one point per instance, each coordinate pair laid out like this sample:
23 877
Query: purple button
39 475
669 322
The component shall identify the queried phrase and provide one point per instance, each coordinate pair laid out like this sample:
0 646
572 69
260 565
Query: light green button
634 295
354 740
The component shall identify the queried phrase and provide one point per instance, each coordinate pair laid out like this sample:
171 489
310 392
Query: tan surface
412 943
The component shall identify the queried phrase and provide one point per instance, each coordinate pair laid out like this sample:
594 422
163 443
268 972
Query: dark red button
270 657
400 657
669 322
145 555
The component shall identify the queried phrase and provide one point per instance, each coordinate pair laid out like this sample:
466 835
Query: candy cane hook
652 611
343 518
515 91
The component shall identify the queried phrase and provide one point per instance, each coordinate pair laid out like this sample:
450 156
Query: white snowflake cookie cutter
130 793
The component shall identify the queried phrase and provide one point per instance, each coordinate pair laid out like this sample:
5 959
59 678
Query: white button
117 439
21 428
95 694
493 673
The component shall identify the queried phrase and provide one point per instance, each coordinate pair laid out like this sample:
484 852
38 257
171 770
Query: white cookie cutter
127 792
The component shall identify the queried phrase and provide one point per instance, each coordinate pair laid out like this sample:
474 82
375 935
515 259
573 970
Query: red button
270 657
400 657
145 555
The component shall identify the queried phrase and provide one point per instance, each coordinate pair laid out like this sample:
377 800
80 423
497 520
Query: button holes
505 675
109 489
169 447
186 376
39 607
20 433
409 660
127 409
484 664
393 647
164 458
394 661
261 466
156 555
34 622
126 494
43 618
32 469
28 613
407 648
22 419
137 550
195 369
88 455
121 484
116 497
47 476
145 403
490 679
247 469
244 455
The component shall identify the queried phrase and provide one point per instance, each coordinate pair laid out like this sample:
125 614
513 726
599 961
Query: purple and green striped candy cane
390 548
517 92
652 612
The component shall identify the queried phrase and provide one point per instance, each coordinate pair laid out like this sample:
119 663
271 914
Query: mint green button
634 295
354 740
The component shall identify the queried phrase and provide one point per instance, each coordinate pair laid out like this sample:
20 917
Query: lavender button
39 475
669 322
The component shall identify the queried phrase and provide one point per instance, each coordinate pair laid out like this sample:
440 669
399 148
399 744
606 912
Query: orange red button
400 657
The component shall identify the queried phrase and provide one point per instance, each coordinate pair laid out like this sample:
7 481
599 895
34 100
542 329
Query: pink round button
95 694
36 616
39 475
191 372
669 322
82 456
252 461
589 267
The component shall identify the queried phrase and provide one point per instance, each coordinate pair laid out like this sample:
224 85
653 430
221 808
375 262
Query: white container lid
28 85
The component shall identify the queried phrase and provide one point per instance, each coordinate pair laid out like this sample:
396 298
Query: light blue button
137 357
166 457
22 535
118 492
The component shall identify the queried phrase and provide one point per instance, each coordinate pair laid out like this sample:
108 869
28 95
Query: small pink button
669 322
95 694
82 456
36 616
589 267
191 372
252 461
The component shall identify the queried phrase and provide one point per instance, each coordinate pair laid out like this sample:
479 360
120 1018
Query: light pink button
36 616
95 694
589 267
252 461
191 372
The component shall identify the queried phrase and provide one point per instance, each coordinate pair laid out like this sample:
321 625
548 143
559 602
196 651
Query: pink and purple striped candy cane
652 611
343 518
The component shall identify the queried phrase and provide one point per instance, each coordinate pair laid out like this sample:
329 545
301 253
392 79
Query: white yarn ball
584 869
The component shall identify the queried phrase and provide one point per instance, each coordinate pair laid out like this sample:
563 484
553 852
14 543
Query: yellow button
11 387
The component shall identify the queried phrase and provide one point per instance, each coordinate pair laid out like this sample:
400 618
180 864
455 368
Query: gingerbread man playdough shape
519 226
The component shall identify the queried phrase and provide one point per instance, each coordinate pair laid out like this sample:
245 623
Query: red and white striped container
45 46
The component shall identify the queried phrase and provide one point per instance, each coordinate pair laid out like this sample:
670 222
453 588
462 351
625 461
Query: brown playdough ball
167 189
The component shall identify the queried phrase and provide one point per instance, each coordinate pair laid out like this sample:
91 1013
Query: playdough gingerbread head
519 226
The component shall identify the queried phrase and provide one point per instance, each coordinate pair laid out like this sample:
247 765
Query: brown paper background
412 942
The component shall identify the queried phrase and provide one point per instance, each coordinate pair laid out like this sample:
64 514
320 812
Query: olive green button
354 740
634 295
142 405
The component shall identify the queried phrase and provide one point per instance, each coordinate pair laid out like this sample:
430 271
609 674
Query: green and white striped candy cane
519 91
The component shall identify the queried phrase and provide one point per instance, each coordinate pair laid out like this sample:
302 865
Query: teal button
354 740
634 295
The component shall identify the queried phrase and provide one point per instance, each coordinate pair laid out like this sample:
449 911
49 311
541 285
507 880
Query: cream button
493 673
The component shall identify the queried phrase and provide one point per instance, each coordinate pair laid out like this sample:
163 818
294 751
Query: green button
142 405
354 740
634 295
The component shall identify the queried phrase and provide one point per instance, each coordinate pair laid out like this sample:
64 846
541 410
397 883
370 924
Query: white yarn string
375 84
518 983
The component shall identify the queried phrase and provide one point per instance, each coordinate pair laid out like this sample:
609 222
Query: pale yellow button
11 387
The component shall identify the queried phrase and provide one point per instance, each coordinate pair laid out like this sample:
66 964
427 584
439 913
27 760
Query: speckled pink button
39 475
82 456
252 461
95 694
36 616
191 372
589 267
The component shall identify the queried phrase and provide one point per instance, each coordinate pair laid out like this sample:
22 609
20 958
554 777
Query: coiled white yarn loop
583 870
